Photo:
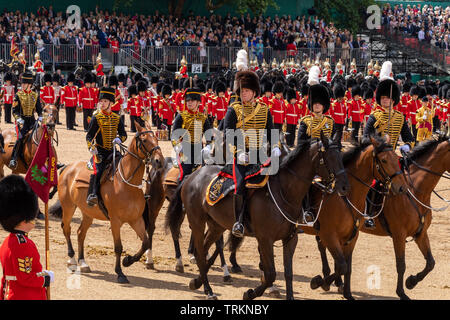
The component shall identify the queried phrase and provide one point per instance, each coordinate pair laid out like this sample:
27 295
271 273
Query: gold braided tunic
25 103
194 124
103 129
311 126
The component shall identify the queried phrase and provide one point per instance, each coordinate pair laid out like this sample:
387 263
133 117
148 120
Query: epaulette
21 238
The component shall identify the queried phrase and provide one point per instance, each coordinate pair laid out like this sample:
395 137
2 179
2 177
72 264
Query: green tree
345 14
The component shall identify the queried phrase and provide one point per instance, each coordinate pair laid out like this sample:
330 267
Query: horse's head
386 168
330 167
49 115
147 147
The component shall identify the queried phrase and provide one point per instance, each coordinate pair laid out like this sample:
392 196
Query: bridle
148 154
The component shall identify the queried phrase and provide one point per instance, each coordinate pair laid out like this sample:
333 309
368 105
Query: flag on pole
42 173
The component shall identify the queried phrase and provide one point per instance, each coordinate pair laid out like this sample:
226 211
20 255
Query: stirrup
369 224
13 164
308 217
238 230
92 200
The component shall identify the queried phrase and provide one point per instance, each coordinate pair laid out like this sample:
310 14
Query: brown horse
409 215
263 220
122 196
30 142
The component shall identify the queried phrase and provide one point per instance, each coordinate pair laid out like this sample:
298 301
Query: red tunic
337 111
38 66
134 106
87 98
355 110
69 96
21 263
403 105
8 94
167 110
119 100
220 107
292 113
278 110
368 107
47 95
413 106
183 71
99 70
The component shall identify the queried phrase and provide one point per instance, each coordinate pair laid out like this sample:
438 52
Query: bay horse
263 221
30 142
409 215
122 196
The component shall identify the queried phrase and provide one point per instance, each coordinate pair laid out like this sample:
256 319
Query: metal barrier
162 57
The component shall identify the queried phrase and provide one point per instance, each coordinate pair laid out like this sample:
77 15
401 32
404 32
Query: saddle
223 183
108 172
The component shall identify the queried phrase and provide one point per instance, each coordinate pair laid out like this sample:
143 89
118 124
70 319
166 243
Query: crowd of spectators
106 29
426 23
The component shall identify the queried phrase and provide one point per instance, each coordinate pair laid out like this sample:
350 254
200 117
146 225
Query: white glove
405 148
276 152
424 117
40 119
117 141
93 151
51 274
20 121
178 148
207 149
243 158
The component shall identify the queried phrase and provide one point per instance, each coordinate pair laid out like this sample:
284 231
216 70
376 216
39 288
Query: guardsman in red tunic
135 107
69 99
23 275
413 105
278 106
403 105
144 100
266 92
338 111
292 116
87 100
167 107
47 92
219 103
355 111
8 93
113 82
368 104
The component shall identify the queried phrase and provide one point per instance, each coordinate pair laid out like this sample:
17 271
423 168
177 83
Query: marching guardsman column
69 99
386 120
250 116
8 96
26 103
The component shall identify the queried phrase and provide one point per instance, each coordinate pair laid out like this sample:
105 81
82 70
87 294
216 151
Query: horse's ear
138 127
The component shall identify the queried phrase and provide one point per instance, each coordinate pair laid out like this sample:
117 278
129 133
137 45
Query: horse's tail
174 215
56 209
234 243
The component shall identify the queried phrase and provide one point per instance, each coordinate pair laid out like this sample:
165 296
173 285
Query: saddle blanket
223 183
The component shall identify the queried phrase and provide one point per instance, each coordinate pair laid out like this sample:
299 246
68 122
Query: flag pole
47 247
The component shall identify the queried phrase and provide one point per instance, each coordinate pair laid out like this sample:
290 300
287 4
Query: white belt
290 114
10 278
88 98
70 97
412 113
357 111
278 111
338 114
48 97
220 109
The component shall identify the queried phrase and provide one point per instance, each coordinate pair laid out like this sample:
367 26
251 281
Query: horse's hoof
411 282
122 279
249 295
236 269
194 284
227 279
275 293
349 297
150 266
290 298
127 261
193 260
85 269
316 282
325 287
72 267
404 297
341 289
179 268
212 296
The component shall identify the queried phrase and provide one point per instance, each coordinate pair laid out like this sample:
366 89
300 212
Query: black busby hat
27 77
220 87
415 90
108 93
368 94
387 84
132 90
293 83
193 94
406 87
141 86
176 84
422 92
56 78
290 94
70 78
113 81
266 86
166 90
424 99
429 90
47 77
247 80
137 77
350 83
319 94
18 202
159 87
88 78
121 77
339 91
305 90
356 91
154 79
278 87
8 77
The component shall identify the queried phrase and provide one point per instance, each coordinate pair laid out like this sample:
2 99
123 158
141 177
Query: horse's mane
423 148
351 154
301 147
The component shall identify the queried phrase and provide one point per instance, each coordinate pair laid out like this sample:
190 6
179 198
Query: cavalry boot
372 203
92 198
238 227
13 162
308 215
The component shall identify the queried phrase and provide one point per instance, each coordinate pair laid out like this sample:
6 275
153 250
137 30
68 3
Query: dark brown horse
122 196
263 220
409 215
30 142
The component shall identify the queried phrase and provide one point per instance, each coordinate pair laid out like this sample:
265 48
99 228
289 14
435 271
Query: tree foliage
346 14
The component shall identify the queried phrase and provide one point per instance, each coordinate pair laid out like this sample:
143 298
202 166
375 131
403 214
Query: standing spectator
260 51
80 47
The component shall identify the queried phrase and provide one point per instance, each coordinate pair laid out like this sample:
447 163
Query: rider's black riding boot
308 215
373 202
238 206
13 161
92 198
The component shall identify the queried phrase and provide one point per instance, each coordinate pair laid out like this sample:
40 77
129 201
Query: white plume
313 76
386 71
242 60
